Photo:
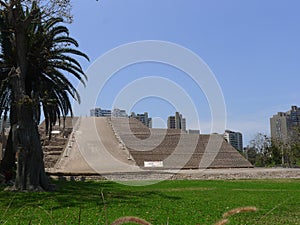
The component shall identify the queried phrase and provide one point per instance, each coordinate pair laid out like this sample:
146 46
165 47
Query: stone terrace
176 149
54 147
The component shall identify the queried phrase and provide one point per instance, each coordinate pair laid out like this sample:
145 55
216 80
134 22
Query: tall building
95 112
119 113
284 124
98 112
177 122
279 127
171 122
144 118
235 139
183 124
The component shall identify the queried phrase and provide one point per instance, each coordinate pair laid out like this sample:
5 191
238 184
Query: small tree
261 143
292 153
250 154
288 149
276 154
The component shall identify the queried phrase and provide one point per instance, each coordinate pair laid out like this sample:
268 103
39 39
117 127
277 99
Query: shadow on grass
78 194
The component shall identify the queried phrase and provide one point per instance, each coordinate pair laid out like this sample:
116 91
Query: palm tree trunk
29 157
25 140
30 171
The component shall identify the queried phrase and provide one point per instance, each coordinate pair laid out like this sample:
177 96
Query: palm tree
32 65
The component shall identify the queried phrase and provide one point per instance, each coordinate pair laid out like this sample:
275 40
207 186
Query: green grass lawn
168 202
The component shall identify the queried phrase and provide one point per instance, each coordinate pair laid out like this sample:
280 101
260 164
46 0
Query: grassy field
168 202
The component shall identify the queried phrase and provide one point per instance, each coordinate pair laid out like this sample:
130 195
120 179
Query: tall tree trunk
30 166
30 171
25 140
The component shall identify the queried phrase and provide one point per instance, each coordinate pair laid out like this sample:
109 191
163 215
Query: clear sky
251 46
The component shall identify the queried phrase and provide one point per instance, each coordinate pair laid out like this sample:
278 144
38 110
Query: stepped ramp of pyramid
176 149
94 147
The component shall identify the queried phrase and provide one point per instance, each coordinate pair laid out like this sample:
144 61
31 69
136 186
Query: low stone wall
208 174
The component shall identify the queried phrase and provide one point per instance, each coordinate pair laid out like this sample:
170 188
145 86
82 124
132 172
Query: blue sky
251 46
